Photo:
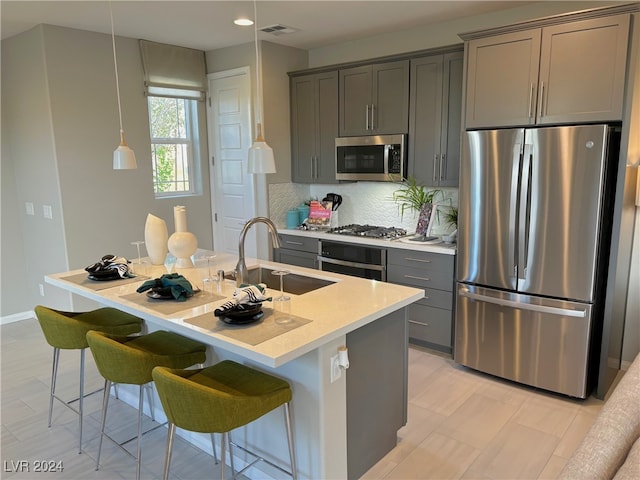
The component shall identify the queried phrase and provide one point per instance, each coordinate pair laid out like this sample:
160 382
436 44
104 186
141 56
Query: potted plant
451 218
418 198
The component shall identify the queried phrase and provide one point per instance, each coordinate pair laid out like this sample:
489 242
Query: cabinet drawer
429 324
440 278
412 258
295 257
437 298
303 244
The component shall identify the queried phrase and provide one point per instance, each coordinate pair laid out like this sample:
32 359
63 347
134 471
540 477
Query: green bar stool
130 360
218 399
68 331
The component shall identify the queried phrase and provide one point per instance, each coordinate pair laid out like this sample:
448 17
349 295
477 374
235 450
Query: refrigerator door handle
513 211
524 213
463 292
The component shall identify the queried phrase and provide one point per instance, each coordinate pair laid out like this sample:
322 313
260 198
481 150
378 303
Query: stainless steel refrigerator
534 234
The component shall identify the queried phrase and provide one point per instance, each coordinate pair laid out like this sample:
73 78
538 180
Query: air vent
278 29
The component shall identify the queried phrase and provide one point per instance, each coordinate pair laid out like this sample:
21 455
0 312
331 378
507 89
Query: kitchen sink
292 283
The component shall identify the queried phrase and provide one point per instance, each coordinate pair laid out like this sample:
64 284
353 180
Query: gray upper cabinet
374 99
314 126
538 76
435 119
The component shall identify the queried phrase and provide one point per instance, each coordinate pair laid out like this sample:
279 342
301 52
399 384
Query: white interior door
232 188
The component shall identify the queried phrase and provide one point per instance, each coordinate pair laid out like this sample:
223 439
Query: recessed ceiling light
244 22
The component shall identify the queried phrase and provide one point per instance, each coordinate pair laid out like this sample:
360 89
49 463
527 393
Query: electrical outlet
41 287
47 212
336 371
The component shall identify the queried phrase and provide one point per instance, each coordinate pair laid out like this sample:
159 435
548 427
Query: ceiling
208 25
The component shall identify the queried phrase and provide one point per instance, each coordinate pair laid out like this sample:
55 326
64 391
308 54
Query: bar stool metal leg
81 401
292 454
213 447
139 442
167 457
54 376
103 418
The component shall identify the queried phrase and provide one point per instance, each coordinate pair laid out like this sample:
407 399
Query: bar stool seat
130 360
68 331
218 399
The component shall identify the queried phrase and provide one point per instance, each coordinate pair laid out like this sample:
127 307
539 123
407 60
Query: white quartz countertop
334 310
404 243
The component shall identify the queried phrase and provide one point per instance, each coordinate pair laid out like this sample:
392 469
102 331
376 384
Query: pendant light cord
258 65
115 63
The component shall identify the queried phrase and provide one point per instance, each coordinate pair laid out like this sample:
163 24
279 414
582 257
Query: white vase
182 244
156 237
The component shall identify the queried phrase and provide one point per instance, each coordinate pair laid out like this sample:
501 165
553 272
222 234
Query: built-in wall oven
353 259
356 259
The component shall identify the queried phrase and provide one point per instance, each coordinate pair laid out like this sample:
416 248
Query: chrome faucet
242 274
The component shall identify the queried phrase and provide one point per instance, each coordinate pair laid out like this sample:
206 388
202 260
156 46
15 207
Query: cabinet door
390 100
327 116
314 127
582 70
502 77
451 137
303 127
355 101
425 119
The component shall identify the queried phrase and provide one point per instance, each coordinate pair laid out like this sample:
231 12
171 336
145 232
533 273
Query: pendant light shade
123 156
261 159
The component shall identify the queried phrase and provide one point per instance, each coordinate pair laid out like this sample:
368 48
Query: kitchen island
342 427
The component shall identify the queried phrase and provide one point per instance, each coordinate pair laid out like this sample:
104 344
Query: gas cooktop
369 231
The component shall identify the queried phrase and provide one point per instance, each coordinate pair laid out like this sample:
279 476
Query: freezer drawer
539 342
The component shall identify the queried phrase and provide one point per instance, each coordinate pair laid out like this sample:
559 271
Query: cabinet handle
417 278
373 123
366 117
435 162
409 259
541 100
443 160
419 323
291 242
530 100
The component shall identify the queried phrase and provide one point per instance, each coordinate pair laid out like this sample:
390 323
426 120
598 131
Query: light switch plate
28 207
336 371
47 212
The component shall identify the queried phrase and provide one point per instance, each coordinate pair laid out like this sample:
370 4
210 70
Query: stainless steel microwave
371 158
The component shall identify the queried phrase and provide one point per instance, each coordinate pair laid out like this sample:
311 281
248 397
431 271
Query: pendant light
261 158
123 156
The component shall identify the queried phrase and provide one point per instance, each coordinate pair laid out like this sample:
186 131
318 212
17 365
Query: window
174 126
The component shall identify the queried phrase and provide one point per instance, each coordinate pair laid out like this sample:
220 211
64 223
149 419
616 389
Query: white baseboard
16 317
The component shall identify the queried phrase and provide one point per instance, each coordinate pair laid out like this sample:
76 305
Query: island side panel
377 390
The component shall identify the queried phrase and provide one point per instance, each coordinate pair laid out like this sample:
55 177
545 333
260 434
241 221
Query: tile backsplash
363 202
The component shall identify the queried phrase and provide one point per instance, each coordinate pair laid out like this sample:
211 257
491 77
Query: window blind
172 71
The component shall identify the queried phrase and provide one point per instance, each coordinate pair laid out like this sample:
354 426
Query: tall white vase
156 237
182 244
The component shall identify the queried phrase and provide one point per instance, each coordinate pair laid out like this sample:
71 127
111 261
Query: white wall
60 122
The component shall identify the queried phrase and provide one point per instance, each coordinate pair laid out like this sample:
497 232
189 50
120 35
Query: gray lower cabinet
430 319
295 250
435 119
314 127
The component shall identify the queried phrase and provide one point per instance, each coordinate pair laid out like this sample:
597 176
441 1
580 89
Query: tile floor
462 424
